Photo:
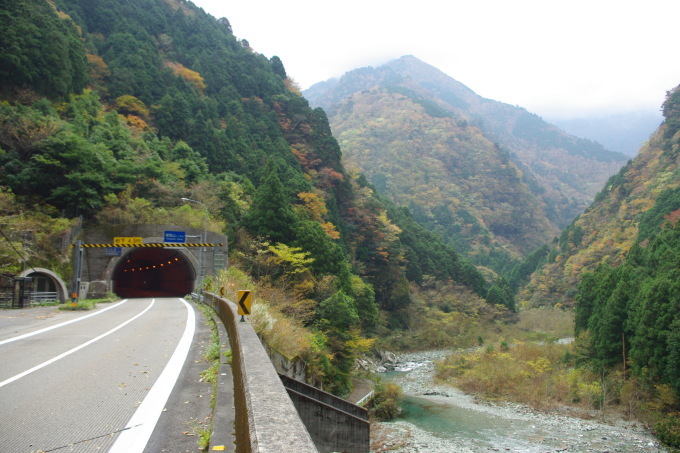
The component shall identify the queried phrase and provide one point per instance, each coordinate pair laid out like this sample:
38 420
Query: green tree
673 370
270 213
655 308
610 336
134 66
329 257
585 302
190 162
339 310
498 295
277 67
364 301
40 50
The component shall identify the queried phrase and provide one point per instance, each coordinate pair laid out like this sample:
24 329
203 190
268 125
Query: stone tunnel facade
147 271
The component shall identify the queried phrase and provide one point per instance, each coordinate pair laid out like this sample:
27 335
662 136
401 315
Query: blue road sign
175 236
112 251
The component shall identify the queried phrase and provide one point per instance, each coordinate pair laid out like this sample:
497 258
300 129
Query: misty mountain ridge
557 174
623 132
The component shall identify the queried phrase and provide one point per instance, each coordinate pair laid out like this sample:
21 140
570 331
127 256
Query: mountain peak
561 173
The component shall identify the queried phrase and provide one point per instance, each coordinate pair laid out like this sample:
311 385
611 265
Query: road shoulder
188 409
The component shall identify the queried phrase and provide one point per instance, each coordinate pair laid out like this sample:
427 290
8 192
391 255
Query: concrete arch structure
46 281
148 271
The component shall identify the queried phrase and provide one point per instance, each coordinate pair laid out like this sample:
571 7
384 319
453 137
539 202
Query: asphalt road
103 380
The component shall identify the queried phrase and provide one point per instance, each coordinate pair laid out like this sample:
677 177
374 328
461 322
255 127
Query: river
438 419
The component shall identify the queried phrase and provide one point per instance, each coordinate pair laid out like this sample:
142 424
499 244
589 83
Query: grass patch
539 375
80 305
210 375
203 438
545 376
87 304
212 355
202 431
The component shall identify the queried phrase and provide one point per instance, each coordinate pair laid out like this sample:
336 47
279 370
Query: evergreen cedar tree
632 312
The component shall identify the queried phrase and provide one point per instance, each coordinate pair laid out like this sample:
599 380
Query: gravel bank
485 427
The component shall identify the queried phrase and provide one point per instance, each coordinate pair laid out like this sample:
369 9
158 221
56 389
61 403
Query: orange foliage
128 104
330 230
187 74
329 178
307 160
292 86
314 205
673 216
98 67
137 123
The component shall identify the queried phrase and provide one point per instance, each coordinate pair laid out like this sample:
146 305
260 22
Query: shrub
527 372
668 430
384 404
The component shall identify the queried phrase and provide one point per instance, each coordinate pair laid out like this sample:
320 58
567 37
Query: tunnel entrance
154 272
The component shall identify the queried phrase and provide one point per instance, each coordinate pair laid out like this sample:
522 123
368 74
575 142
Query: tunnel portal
154 272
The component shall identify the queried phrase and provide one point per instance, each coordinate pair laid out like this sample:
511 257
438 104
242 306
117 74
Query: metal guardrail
7 299
365 399
44 296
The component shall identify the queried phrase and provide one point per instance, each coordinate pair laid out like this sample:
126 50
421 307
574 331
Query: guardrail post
77 271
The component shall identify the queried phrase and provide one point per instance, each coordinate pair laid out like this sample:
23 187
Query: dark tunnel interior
154 272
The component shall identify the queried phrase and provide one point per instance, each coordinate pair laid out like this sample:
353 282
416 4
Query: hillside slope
157 101
631 207
559 174
449 174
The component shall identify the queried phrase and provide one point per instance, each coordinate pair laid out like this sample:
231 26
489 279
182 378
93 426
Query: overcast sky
556 58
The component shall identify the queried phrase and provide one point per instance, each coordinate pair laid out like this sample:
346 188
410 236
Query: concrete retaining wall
292 368
266 419
333 423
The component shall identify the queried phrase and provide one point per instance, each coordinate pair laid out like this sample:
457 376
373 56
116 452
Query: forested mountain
115 109
618 264
476 170
630 209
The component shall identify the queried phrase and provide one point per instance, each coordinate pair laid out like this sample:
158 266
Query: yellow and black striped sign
244 302
153 244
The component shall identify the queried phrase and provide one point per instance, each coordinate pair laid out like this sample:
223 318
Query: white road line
30 334
77 348
139 428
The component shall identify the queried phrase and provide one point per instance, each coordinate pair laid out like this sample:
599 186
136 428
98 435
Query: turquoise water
474 428
451 421
483 431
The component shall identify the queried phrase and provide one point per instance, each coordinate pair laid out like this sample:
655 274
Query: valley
390 209
438 418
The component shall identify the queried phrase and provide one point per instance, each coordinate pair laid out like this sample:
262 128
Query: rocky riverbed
442 419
